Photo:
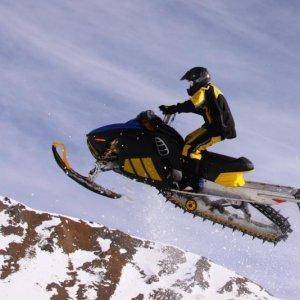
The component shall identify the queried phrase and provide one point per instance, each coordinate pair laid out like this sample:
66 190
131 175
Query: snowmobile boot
194 179
197 185
193 184
201 184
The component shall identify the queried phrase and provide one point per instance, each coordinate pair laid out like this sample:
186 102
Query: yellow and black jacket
210 103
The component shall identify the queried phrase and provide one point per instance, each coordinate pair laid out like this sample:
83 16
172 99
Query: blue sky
68 67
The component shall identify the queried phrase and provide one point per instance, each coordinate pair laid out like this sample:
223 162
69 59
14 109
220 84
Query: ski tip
58 144
62 160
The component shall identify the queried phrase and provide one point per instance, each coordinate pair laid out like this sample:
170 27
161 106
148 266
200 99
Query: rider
208 101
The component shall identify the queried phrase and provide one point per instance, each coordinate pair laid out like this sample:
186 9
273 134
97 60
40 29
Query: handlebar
168 119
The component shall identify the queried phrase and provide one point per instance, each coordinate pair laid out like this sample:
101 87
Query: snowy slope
46 256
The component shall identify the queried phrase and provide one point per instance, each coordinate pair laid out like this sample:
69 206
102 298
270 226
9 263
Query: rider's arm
186 106
190 105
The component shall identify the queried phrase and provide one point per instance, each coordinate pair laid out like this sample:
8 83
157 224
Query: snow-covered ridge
45 256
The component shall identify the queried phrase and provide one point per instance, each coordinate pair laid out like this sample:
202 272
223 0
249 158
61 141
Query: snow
130 285
79 257
42 269
104 244
147 258
45 268
7 239
47 226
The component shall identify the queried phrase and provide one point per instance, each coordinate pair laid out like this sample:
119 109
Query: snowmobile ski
86 182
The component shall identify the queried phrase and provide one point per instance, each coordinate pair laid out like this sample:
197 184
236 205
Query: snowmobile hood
132 124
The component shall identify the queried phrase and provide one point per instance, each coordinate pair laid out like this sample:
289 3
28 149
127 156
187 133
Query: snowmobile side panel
138 167
127 167
146 170
82 180
142 167
151 169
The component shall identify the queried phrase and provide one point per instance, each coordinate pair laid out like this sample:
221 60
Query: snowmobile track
274 216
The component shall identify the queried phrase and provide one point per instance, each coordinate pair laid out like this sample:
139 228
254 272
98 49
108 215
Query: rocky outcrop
44 256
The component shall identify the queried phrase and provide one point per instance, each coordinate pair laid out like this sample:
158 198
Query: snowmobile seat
213 164
241 164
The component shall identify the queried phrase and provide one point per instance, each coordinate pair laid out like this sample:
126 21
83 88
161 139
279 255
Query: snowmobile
133 149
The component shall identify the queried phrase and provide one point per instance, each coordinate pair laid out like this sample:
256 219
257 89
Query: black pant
198 141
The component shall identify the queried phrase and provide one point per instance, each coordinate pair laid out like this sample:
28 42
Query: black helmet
198 77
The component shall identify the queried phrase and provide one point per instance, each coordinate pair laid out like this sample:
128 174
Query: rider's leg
198 141
174 159
190 138
195 143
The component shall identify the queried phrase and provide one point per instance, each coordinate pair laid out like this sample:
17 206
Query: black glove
168 110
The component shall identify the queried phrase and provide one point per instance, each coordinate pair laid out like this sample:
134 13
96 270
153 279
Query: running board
253 192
